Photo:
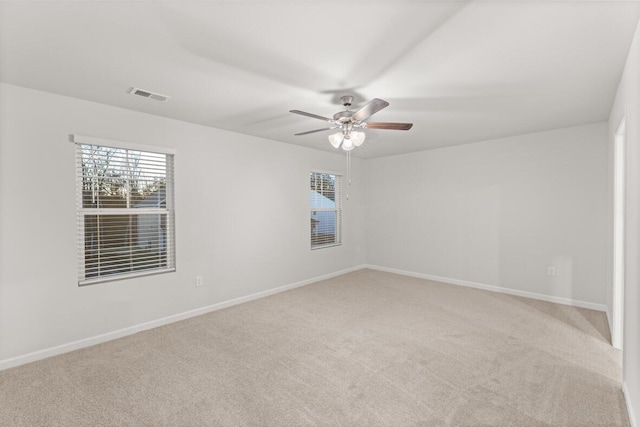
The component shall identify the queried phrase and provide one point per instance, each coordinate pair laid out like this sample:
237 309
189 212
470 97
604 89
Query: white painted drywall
242 220
627 105
497 212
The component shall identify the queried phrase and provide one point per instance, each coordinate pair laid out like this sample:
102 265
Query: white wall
228 186
627 104
497 213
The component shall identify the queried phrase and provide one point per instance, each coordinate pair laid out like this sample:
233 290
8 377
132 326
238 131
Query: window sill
330 245
114 277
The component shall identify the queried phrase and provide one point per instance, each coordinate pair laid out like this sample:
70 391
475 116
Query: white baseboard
86 342
608 313
633 420
610 324
492 288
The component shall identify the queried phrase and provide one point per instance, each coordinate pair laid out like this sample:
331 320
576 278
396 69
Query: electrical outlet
199 281
551 271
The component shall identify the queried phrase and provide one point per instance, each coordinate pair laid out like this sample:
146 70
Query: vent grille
148 94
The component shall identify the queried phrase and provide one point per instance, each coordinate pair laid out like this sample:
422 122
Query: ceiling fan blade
369 109
392 126
315 116
314 131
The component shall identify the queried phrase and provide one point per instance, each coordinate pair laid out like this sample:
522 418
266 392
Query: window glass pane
323 228
323 190
325 209
120 244
119 178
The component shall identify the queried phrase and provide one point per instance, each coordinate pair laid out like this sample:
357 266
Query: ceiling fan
351 123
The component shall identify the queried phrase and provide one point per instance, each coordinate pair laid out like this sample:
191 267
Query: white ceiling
460 71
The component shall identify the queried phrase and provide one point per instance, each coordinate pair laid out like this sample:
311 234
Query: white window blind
326 209
125 213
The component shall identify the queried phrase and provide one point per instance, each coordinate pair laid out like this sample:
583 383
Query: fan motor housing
343 116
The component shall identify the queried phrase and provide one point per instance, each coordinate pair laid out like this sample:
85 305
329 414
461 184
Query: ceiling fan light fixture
357 138
336 139
347 145
348 121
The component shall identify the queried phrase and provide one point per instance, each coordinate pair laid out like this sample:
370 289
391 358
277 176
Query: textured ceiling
460 71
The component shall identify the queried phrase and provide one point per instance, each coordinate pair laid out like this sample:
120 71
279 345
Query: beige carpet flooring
364 349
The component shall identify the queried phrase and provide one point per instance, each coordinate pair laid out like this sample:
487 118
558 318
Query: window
326 210
125 211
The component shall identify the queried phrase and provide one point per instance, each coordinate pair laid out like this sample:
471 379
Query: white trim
325 171
124 211
125 276
97 339
492 288
328 245
92 140
622 127
633 421
323 209
618 232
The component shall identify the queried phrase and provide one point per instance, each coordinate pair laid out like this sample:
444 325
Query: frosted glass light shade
335 139
357 138
347 145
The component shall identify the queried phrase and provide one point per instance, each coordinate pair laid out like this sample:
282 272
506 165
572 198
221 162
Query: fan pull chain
348 172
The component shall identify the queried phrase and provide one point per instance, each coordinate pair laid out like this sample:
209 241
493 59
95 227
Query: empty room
313 213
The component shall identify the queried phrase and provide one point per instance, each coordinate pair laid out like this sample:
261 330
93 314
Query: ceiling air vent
148 94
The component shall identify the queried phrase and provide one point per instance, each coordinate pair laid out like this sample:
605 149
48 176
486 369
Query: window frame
82 212
337 209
